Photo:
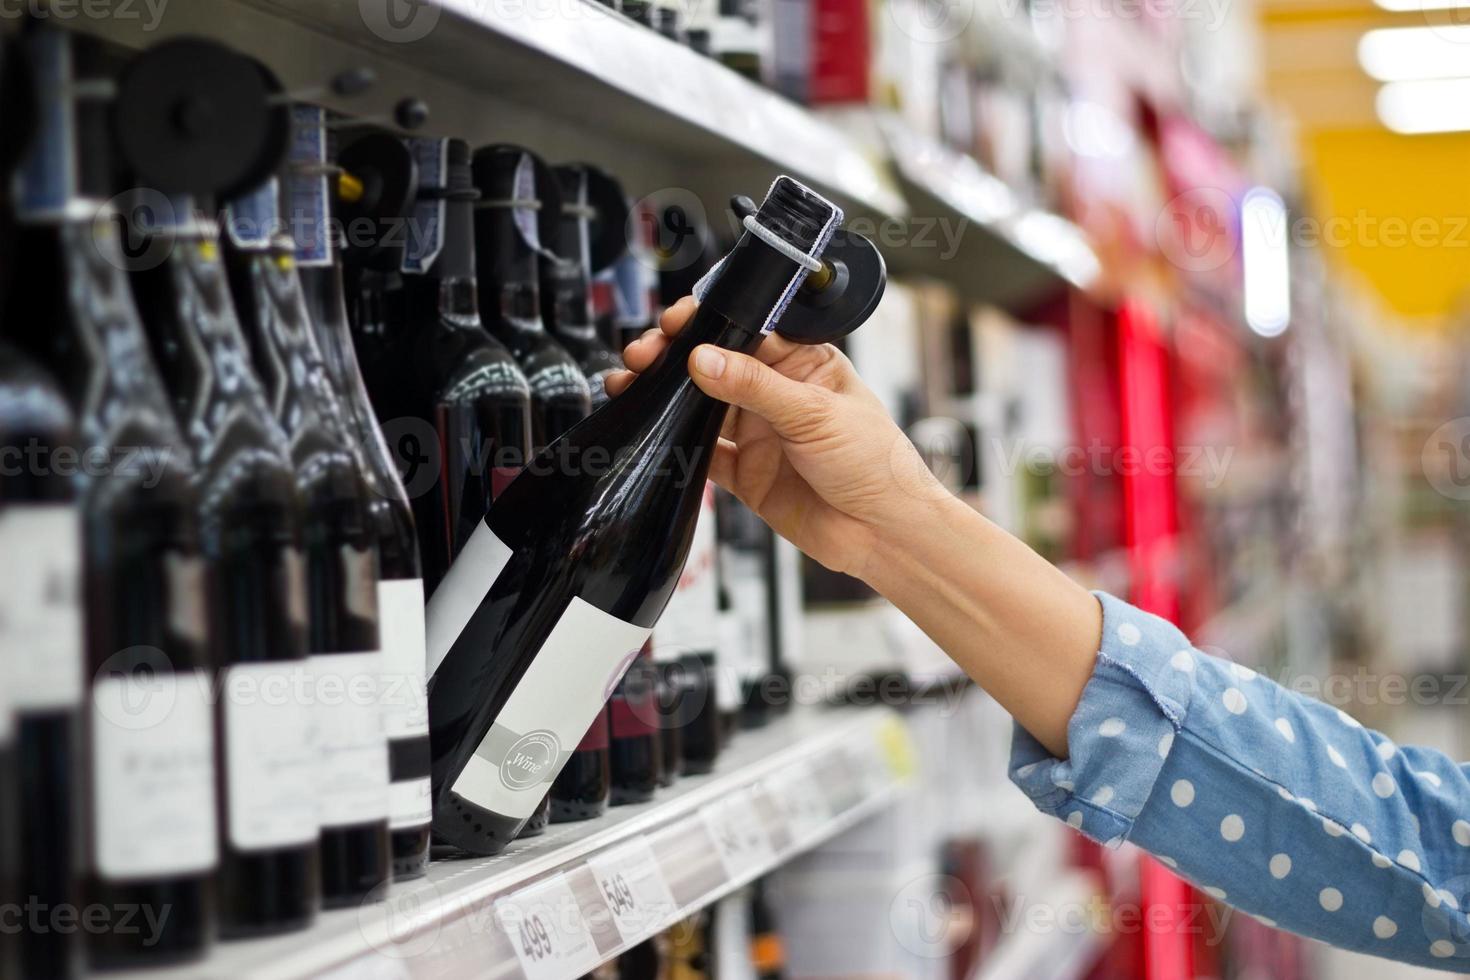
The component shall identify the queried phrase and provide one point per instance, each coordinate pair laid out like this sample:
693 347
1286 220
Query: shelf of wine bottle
593 890
575 80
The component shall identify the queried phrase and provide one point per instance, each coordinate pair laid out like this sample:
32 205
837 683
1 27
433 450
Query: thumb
790 406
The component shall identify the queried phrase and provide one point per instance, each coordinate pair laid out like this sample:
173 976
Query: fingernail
709 361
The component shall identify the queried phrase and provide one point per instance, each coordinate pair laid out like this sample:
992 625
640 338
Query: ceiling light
1432 106
1396 54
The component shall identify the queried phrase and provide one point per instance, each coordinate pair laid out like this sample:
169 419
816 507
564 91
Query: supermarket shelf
1058 952
577 81
1010 254
779 791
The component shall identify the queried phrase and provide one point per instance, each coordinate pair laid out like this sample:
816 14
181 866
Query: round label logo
529 760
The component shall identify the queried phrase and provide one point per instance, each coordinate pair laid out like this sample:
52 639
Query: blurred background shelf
779 792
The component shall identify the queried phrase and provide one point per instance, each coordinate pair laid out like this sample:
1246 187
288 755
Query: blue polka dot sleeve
1265 799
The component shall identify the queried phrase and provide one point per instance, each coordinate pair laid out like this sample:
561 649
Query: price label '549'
633 885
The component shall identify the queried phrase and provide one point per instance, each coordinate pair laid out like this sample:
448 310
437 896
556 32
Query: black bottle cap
17 108
194 117
387 176
606 213
495 170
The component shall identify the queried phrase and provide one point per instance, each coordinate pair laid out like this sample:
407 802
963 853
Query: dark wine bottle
41 653
744 566
340 547
40 616
509 251
636 749
508 225
400 586
566 282
151 824
688 641
10 896
433 363
574 565
250 517
767 945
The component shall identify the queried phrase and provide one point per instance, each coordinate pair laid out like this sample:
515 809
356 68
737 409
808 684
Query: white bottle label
572 677
153 802
40 610
689 623
464 587
401 620
270 774
405 703
351 752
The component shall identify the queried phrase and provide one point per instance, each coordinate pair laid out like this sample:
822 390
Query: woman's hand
806 445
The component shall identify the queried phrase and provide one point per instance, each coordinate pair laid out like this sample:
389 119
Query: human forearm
1013 622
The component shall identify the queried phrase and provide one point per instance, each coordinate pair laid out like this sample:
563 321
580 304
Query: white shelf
574 80
778 791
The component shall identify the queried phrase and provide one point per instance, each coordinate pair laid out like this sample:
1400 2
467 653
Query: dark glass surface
582 789
341 550
615 536
251 530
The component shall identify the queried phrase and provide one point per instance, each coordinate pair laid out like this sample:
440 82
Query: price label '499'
546 927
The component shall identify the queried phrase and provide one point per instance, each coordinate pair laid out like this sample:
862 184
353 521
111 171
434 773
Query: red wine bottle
688 641
557 593
636 749
150 822
428 360
341 552
586 226
250 517
400 586
513 211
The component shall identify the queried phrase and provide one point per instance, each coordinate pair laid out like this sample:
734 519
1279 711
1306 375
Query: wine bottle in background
432 362
10 896
634 283
669 701
340 546
41 651
636 749
400 585
150 819
783 581
590 237
249 510
557 593
514 208
509 256
40 616
743 569
649 960
767 945
688 636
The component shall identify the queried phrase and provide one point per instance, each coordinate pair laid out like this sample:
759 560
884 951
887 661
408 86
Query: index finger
773 349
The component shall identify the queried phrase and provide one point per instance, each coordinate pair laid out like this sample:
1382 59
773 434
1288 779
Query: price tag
546 927
739 834
634 888
803 802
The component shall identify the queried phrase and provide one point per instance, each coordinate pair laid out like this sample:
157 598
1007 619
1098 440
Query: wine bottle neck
509 270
